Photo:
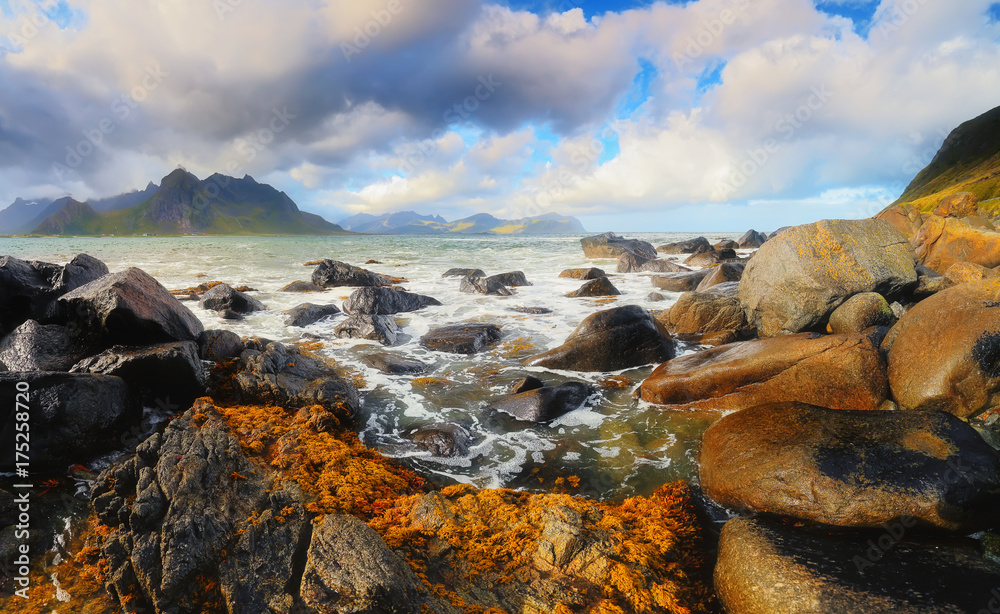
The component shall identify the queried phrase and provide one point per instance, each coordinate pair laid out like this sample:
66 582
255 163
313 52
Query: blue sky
701 115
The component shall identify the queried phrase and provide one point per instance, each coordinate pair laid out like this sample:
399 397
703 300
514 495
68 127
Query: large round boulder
766 566
797 279
697 313
611 340
945 352
852 468
841 371
861 311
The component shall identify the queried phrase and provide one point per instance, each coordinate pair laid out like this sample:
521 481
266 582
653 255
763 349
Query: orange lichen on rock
311 448
485 548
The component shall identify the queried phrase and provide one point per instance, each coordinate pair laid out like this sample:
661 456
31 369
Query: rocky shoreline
850 369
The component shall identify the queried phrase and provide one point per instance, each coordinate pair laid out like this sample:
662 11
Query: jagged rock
844 468
286 377
707 259
491 286
610 340
74 417
464 273
847 573
129 307
943 241
302 286
469 338
394 364
544 404
962 272
36 347
82 269
929 282
308 313
442 440
170 372
725 272
610 245
960 204
680 282
839 371
584 274
24 293
385 301
219 345
601 286
224 298
904 218
727 244
334 274
752 239
375 328
632 263
512 279
861 311
691 246
797 279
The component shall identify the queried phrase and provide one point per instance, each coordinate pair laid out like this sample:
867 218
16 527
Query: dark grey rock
334 274
385 301
470 338
691 246
527 383
610 245
544 404
601 286
375 328
464 273
169 373
752 239
24 293
394 364
490 286
308 313
512 279
443 440
302 286
219 345
36 347
224 297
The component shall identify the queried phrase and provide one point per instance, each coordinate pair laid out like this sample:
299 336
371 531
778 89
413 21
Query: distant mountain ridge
181 204
408 222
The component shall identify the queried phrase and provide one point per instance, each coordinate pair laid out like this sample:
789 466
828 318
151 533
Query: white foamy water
617 446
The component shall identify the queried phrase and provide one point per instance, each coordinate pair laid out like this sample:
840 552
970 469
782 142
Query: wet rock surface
395 364
309 313
385 301
334 274
225 298
374 328
544 404
470 338
610 245
601 286
37 347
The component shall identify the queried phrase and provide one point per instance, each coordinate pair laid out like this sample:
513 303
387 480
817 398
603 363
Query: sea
614 447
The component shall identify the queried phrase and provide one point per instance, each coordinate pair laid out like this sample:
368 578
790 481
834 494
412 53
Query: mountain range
408 222
181 204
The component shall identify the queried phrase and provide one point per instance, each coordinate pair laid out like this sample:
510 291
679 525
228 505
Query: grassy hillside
969 161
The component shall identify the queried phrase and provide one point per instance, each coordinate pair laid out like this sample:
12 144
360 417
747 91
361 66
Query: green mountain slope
74 218
969 161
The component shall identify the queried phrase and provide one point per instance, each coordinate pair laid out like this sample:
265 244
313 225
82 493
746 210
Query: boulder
129 307
610 340
904 218
680 282
707 259
725 272
691 246
74 417
962 272
219 345
287 377
544 404
349 568
375 328
308 313
469 338
610 245
601 286
699 313
729 289
960 204
776 232
161 374
655 297
585 274
442 440
846 468
224 297
943 241
335 274
752 239
767 566
82 269
929 282
394 364
37 347
839 371
533 311
726 244
529 382
861 311
464 273
945 352
631 263
797 279
24 293
302 286
490 286
385 301
513 279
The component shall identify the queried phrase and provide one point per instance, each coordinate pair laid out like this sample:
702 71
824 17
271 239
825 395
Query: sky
706 115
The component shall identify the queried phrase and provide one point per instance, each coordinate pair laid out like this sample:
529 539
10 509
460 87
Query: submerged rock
308 313
395 364
584 274
601 286
610 245
470 338
464 273
490 286
610 340
679 282
631 263
375 328
334 274
767 566
385 301
544 404
853 468
302 286
442 440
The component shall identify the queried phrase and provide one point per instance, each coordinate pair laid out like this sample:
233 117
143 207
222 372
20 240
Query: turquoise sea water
617 446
